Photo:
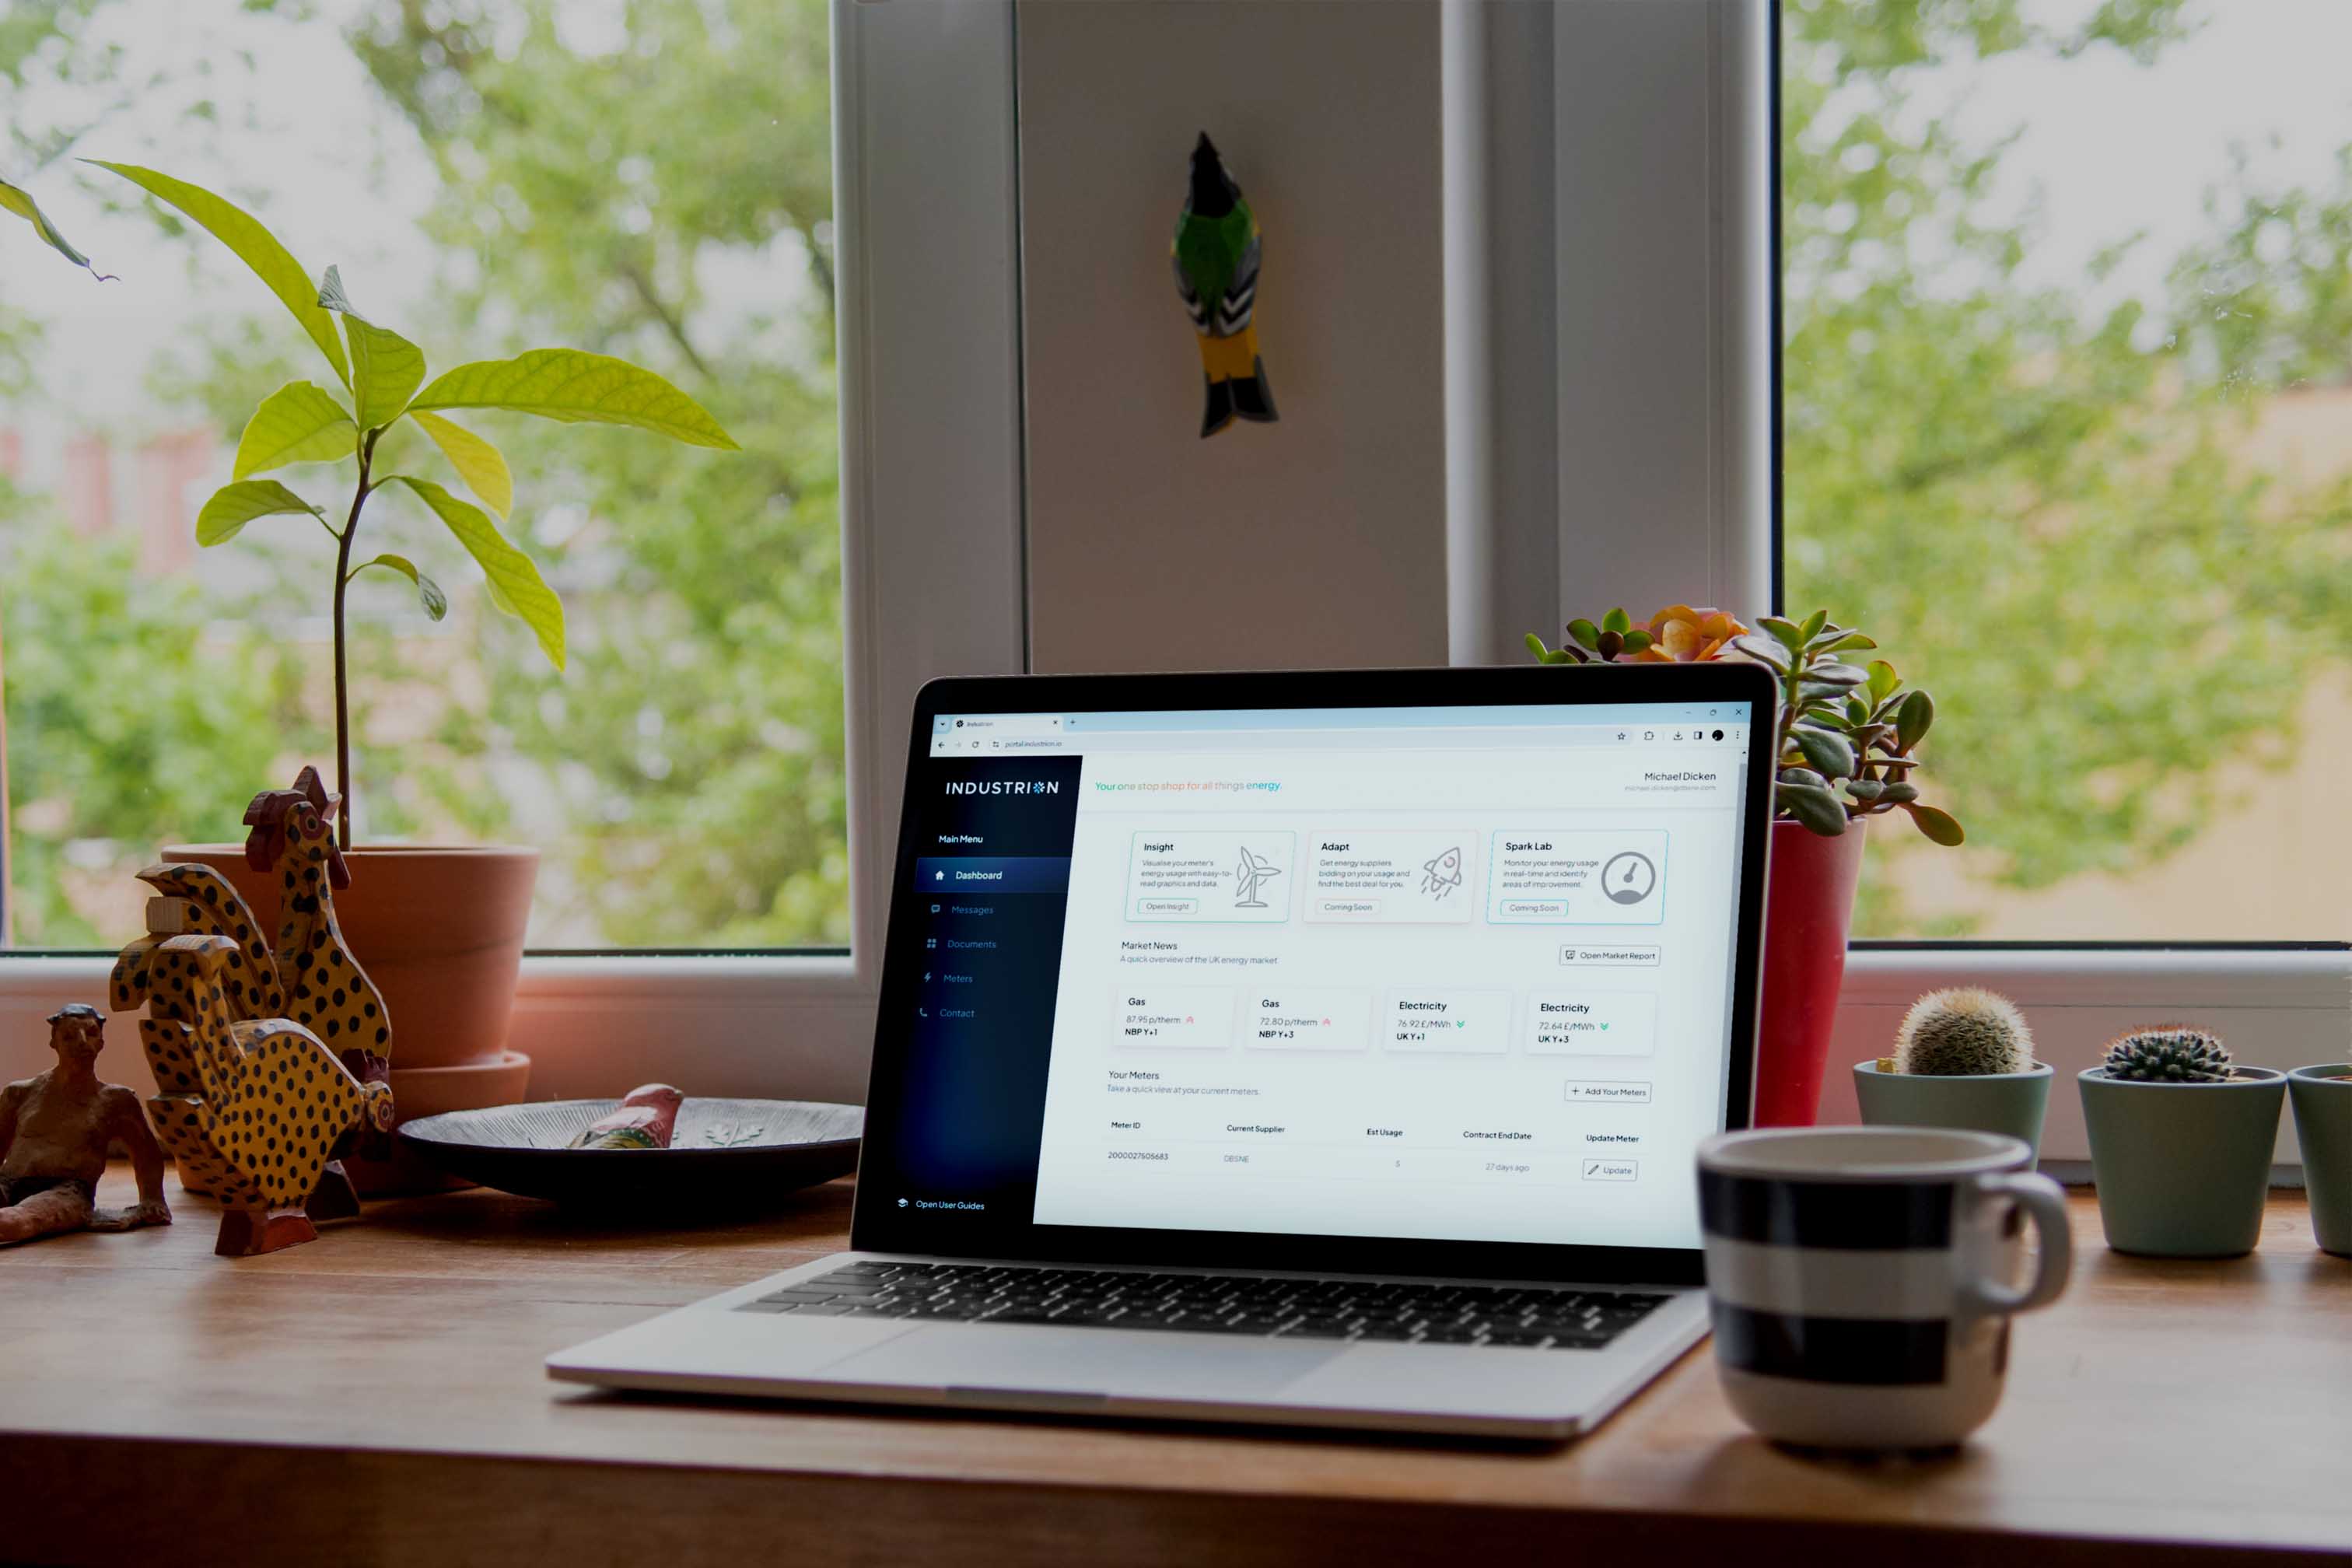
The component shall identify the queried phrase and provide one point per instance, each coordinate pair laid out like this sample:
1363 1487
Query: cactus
1964 1033
2169 1055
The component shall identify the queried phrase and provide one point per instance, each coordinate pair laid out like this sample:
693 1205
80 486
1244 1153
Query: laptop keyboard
1521 1316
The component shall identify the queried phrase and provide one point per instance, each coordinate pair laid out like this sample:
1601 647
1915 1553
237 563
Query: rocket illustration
1216 257
1443 874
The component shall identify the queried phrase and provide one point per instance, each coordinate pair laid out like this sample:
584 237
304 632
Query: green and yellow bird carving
1216 257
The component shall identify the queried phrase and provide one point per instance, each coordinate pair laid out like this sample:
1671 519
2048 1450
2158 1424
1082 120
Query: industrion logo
1004 786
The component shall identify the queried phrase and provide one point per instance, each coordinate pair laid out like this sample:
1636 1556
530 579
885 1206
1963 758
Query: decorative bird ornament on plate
1216 258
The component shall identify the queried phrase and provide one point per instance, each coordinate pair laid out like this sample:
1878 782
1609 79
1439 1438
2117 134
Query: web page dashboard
1459 974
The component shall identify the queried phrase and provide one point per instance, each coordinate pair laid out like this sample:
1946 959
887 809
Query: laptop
1315 1048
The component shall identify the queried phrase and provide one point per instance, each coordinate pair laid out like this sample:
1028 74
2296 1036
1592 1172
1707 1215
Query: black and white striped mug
1860 1278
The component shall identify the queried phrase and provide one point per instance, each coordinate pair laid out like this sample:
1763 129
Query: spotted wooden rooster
271 1104
202 969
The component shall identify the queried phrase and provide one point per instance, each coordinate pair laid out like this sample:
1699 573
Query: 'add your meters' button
1607 1091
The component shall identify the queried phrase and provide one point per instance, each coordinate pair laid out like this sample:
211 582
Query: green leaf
1617 621
1830 754
254 245
514 581
296 423
1559 656
1812 626
1895 793
1819 809
1857 712
570 385
385 367
1637 640
233 506
1811 692
1846 640
1534 644
1796 775
1864 790
1763 650
437 603
1831 673
1912 723
20 202
1585 632
1785 630
486 473
1883 680
1938 825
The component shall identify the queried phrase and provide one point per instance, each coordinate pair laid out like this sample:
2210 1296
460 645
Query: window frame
928 202
926 237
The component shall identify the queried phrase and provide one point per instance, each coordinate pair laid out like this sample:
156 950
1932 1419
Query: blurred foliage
686 772
2041 503
129 715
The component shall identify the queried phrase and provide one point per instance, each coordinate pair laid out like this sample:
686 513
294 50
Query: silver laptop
1323 1049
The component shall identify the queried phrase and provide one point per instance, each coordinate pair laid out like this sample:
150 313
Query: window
2068 422
653 180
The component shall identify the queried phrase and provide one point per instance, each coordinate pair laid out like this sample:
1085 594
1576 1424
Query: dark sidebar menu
988 892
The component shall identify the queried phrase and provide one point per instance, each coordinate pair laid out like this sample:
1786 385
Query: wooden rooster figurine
219 1030
271 1103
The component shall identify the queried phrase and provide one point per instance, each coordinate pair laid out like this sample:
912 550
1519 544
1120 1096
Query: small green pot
2323 1125
2006 1102
2183 1168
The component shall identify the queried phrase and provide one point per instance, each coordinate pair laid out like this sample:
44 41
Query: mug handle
2044 1202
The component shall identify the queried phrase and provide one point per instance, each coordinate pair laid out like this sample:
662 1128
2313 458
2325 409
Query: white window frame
928 277
1634 393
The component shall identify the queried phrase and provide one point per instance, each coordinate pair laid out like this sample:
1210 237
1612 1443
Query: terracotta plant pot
1808 906
2322 1095
439 930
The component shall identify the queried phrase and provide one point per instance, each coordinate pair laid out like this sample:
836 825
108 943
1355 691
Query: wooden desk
376 1397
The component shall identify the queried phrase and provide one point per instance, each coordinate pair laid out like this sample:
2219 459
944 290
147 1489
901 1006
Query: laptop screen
1451 972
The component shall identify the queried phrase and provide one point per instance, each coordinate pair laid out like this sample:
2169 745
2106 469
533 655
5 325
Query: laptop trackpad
1083 1360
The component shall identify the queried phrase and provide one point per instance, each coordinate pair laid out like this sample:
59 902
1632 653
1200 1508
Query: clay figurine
54 1133
644 1119
255 1106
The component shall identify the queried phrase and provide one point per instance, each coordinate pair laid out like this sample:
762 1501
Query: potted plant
1846 741
2181 1141
439 928
1962 1058
2322 1095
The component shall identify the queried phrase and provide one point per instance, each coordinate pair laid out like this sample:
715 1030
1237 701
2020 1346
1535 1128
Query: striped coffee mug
1860 1277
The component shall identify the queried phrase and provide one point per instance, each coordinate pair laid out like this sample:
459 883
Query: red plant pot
1808 908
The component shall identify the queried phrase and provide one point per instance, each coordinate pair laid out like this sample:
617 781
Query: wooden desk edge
109 1500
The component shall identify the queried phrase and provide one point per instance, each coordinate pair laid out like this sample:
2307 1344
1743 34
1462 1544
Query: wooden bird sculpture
271 1106
219 1000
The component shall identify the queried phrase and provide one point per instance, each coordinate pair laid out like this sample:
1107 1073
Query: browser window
1451 973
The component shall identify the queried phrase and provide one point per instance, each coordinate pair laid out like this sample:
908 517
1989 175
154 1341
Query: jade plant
380 381
2168 1056
1963 1033
1846 736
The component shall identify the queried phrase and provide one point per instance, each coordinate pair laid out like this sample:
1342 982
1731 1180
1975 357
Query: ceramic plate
722 1151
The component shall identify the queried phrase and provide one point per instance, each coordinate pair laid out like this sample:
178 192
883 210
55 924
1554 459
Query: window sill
801 1025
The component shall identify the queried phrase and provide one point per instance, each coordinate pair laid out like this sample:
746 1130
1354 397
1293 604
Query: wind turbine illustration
1250 878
